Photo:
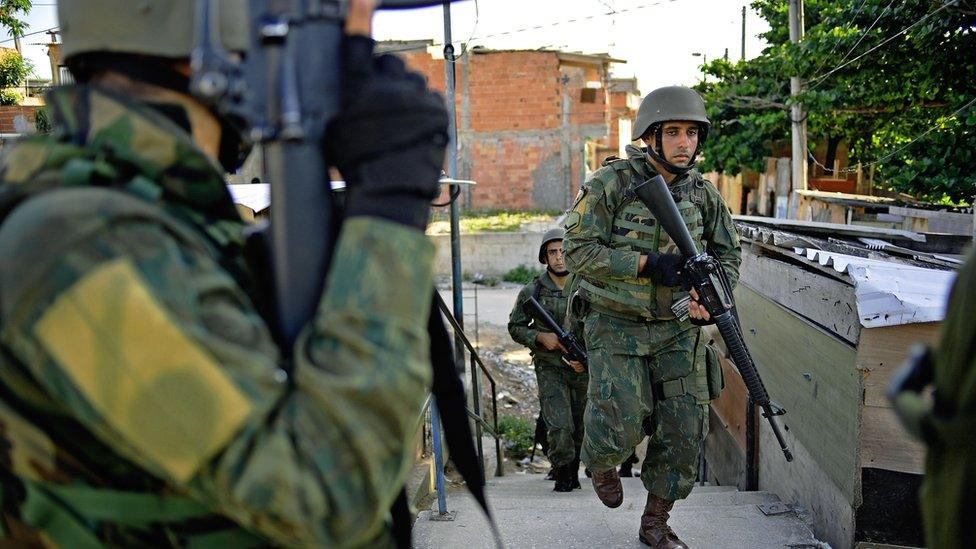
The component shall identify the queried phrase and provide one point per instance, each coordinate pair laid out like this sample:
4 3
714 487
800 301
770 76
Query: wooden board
881 353
812 374
726 461
730 406
825 301
886 445
806 482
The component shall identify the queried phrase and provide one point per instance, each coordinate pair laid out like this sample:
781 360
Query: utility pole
742 56
799 124
452 173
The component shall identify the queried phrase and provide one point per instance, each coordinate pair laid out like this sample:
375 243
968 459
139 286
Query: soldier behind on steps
562 386
647 369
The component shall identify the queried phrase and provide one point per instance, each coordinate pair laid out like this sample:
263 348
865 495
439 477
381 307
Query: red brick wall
9 112
510 125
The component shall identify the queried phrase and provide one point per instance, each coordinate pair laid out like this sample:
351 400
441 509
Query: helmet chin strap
657 153
557 273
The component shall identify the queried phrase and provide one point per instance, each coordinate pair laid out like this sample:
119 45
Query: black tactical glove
389 140
664 269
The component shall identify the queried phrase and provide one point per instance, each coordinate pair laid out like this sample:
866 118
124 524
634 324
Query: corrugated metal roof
888 293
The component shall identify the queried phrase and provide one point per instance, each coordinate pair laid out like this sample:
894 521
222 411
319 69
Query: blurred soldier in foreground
562 385
648 371
143 400
936 399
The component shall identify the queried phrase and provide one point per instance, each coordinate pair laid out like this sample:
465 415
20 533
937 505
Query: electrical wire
549 25
30 34
865 32
814 82
847 26
888 156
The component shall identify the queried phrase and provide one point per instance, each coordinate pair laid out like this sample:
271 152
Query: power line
29 34
552 24
899 149
816 81
847 26
867 30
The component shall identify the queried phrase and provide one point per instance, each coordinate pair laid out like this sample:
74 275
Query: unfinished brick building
530 122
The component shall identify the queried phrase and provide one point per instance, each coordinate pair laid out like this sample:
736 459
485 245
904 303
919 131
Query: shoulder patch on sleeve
575 215
152 384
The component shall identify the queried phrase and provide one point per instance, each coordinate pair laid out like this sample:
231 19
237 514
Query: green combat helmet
551 234
143 39
671 103
143 27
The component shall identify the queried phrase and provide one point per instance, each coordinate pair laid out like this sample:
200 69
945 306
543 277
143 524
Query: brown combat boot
654 529
608 488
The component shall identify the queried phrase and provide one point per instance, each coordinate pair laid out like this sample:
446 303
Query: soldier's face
554 255
679 141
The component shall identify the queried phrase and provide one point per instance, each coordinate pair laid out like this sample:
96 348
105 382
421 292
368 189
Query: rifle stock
701 271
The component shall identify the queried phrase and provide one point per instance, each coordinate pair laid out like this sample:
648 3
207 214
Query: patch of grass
490 221
519 435
521 274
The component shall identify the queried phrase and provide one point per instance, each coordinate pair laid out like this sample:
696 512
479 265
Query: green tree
891 78
14 69
11 13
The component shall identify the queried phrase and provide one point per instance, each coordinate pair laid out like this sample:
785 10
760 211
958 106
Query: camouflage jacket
524 328
143 400
608 230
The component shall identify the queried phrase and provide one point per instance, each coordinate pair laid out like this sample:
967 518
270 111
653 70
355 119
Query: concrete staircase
529 514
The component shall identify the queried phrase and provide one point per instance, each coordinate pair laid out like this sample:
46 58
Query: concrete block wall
491 254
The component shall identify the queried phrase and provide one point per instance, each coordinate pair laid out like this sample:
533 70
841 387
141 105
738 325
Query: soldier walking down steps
648 370
143 399
562 385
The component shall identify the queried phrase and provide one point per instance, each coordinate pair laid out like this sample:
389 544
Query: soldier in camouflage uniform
143 401
647 369
562 384
936 400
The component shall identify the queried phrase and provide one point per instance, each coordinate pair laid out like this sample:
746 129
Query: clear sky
657 38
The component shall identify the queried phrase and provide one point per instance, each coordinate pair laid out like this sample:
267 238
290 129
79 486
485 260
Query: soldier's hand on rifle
576 366
695 310
389 139
663 269
550 341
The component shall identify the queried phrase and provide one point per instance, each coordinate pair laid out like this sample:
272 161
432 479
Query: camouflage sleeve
720 235
519 323
588 226
131 325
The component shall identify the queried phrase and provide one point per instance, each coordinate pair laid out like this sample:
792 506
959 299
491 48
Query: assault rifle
284 92
575 350
709 280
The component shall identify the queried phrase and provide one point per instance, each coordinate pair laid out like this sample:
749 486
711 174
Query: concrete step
530 514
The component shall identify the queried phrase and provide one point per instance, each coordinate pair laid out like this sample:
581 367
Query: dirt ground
510 363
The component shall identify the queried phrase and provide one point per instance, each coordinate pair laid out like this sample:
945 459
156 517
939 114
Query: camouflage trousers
562 396
646 378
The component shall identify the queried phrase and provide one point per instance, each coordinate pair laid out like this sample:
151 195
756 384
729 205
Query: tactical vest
635 229
49 492
554 302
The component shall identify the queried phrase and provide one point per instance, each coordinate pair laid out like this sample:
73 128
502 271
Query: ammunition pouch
714 374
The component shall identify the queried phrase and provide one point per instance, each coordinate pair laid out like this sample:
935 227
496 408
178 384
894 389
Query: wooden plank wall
823 300
812 374
881 354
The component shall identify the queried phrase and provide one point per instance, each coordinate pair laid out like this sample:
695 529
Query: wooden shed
828 323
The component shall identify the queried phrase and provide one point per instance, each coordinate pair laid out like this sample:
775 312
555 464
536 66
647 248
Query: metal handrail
476 359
